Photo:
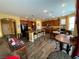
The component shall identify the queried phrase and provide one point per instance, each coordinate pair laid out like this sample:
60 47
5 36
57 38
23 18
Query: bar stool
68 48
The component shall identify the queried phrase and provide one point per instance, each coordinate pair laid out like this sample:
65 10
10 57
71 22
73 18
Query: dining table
64 38
65 43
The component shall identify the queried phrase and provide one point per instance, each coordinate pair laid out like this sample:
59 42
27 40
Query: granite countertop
36 31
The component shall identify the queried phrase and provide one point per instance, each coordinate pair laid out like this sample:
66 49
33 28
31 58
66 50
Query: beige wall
18 29
0 30
67 22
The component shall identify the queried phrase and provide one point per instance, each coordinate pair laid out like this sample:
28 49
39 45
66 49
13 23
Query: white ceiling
35 8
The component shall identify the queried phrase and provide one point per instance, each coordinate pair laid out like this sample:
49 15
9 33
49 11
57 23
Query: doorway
8 26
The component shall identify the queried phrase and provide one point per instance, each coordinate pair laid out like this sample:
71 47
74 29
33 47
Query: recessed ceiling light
50 14
63 11
26 17
43 18
33 18
53 16
45 11
63 15
7 19
64 4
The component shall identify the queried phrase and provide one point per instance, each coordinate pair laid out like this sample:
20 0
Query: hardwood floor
41 48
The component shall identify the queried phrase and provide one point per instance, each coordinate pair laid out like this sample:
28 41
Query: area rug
58 55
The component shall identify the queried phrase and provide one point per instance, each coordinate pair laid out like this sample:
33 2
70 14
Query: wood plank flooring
41 48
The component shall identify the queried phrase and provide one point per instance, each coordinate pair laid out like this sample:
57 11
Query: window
63 22
71 23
